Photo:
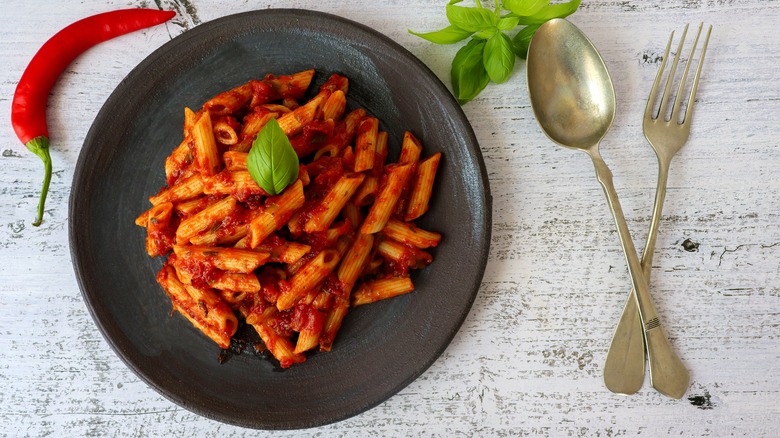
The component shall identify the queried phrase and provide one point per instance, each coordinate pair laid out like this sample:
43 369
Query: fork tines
652 111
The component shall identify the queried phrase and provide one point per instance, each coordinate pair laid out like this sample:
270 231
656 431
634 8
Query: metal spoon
574 102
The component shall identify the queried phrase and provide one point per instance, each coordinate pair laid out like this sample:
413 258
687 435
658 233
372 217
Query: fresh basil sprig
272 161
490 54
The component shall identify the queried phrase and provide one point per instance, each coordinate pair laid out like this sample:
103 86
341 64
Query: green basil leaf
471 19
498 57
558 10
522 39
508 23
272 161
468 71
448 35
485 34
524 8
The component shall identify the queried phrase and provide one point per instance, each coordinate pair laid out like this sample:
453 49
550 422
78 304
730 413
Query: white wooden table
528 359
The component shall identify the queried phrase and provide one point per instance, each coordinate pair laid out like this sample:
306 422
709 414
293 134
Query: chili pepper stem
40 147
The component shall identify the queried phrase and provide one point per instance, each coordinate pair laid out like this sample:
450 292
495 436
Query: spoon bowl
570 88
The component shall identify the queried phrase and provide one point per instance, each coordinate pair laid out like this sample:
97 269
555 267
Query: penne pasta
228 259
365 143
410 149
379 214
177 164
235 160
404 256
238 184
323 215
204 219
408 233
422 187
281 347
289 266
229 101
202 307
206 154
307 278
383 289
292 123
159 233
183 190
224 132
276 213
334 107
354 260
310 322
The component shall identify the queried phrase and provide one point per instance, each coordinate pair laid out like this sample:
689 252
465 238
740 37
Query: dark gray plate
382 347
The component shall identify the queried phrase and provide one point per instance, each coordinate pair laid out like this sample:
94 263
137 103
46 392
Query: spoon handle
624 368
667 373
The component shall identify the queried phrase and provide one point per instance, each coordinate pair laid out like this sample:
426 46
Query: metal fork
624 368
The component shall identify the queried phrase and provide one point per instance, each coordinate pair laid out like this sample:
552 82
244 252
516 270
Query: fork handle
624 367
667 373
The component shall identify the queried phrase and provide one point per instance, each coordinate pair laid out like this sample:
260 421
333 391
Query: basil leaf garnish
272 161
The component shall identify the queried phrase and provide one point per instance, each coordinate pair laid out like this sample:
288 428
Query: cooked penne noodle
189 120
292 123
239 184
334 107
229 101
332 324
273 88
236 282
307 278
281 347
410 149
354 260
279 250
220 236
224 133
227 259
375 290
422 187
206 154
255 121
276 213
365 194
380 152
326 211
204 274
178 162
312 321
408 233
235 160
331 150
336 82
204 219
410 154
159 234
186 209
183 190
352 213
275 108
405 256
379 214
365 143
201 307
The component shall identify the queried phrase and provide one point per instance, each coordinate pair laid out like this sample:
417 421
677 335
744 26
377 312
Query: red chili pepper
28 111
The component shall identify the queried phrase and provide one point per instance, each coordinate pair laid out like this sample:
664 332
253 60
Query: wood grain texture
527 361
